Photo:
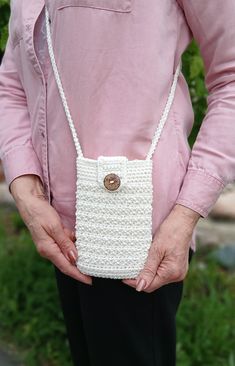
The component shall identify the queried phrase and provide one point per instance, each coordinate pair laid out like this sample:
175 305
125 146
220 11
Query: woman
117 59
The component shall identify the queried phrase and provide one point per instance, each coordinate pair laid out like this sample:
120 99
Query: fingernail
87 282
141 285
72 256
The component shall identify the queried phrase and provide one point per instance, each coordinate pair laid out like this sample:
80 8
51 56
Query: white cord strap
165 113
163 118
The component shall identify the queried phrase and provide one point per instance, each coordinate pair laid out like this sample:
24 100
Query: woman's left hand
168 255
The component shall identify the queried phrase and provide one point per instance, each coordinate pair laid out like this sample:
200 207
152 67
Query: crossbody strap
165 113
163 118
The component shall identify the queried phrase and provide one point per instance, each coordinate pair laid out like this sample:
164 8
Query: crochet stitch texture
114 229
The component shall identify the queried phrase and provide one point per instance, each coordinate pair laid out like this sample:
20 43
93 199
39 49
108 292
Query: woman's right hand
53 241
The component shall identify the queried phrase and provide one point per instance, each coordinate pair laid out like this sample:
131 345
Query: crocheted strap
163 118
165 113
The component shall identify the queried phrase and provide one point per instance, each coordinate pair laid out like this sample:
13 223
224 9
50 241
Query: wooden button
112 182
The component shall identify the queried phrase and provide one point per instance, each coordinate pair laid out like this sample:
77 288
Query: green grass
206 318
31 318
30 314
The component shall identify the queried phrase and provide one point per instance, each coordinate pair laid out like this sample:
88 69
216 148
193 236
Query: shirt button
43 134
112 182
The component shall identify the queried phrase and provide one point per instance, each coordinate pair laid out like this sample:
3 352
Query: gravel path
6 360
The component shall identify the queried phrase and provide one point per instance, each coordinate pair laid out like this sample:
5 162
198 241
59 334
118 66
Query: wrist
25 186
187 213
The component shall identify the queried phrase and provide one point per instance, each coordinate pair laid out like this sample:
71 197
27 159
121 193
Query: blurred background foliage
30 316
4 16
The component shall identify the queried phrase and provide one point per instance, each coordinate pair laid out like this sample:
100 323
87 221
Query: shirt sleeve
16 150
212 163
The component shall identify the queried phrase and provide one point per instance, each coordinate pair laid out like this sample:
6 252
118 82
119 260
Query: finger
155 284
55 255
49 249
130 282
165 276
70 233
66 245
41 238
148 273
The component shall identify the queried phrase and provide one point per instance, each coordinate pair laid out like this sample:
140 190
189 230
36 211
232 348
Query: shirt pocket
121 6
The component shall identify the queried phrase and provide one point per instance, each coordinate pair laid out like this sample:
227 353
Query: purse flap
112 172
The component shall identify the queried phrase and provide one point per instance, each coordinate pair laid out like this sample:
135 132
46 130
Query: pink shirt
116 59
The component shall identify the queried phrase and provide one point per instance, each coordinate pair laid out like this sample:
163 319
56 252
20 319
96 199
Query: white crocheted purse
113 201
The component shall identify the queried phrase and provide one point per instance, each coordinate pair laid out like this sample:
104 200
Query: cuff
200 191
20 161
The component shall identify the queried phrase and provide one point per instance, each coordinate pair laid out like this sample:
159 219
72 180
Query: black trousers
111 324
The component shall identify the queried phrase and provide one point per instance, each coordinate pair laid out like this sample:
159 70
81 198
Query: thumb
148 273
